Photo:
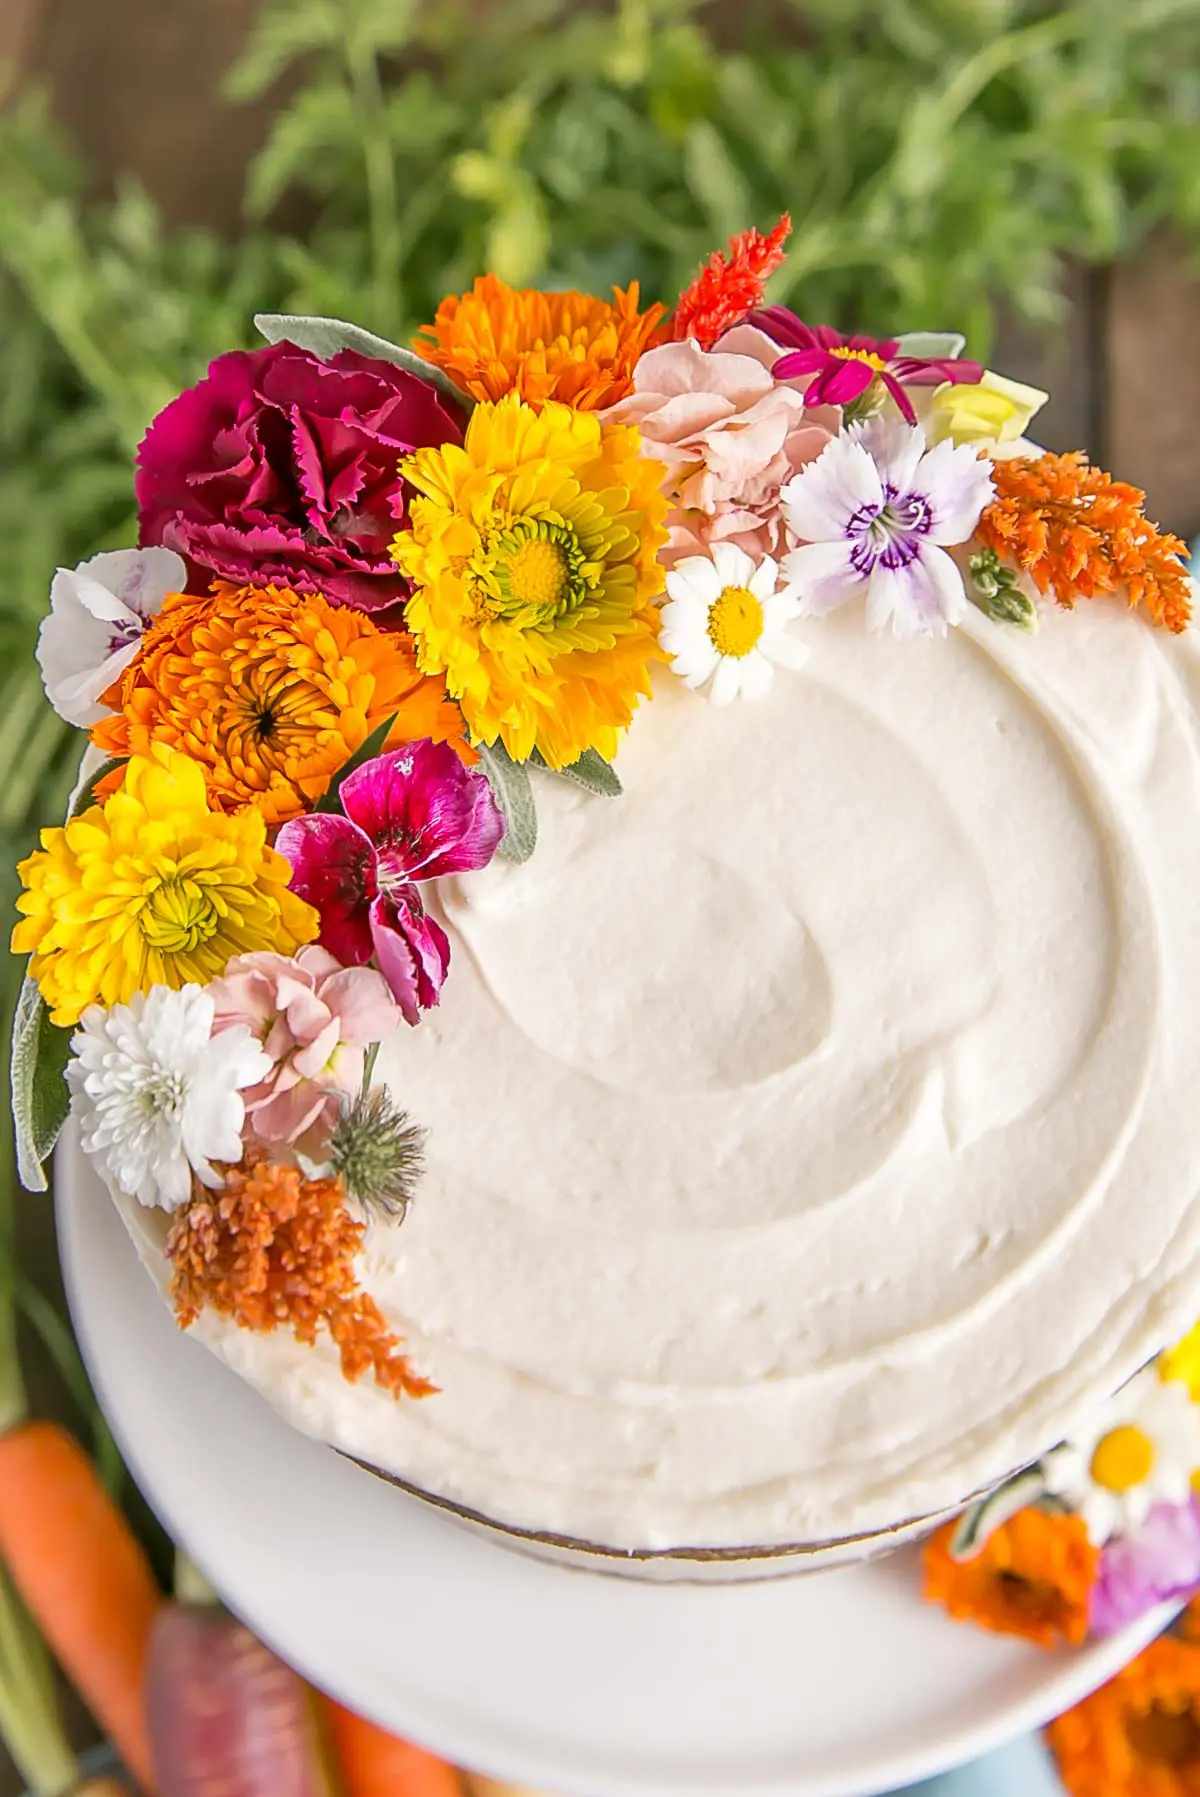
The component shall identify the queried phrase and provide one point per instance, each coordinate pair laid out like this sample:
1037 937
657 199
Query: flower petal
921 598
727 681
895 447
957 483
425 812
823 576
819 502
412 951
333 869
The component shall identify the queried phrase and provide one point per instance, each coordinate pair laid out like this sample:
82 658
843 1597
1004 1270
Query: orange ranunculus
571 347
1139 1735
271 692
1033 1577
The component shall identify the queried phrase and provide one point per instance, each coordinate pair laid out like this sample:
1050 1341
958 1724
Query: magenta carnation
413 815
280 469
1157 1563
840 369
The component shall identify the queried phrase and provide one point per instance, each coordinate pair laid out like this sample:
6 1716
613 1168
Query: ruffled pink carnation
279 469
730 436
315 1019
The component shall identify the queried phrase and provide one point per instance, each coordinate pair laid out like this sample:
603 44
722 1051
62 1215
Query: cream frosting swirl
813 1130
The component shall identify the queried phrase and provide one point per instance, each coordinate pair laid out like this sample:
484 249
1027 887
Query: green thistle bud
378 1151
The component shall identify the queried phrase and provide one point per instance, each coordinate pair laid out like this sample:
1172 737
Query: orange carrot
373 1763
83 1578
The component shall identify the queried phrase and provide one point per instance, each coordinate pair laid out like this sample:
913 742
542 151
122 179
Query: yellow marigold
1033 1577
152 888
533 556
1139 1735
568 346
271 692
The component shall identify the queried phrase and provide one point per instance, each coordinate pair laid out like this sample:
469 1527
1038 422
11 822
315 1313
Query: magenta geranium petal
412 952
425 812
333 869
279 468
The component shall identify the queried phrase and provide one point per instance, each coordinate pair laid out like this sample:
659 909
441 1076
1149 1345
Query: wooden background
135 85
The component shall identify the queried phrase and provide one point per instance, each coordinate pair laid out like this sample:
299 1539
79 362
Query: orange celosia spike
274 1247
1077 532
729 286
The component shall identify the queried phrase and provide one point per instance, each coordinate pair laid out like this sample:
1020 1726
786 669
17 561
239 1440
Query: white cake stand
836 1684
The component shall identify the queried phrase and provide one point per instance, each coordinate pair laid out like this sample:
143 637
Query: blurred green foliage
936 156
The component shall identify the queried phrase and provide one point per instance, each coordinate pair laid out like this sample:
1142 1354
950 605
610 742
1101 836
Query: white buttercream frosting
813 1129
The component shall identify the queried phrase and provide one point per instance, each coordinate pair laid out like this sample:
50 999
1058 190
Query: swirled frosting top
813 1129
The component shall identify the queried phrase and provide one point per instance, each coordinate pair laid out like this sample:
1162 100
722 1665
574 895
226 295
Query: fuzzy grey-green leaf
590 771
509 781
983 1519
39 1093
324 337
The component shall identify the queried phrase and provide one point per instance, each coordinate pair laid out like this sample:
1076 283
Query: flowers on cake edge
381 592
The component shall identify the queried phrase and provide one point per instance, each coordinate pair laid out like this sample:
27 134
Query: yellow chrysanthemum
533 556
271 692
499 339
152 888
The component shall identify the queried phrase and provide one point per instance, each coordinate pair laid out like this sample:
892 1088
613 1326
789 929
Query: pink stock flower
840 369
314 1019
1154 1564
411 816
280 469
730 436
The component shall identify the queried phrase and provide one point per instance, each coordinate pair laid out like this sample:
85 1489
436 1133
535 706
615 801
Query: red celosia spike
729 286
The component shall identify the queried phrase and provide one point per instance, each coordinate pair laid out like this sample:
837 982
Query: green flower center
177 917
540 570
735 622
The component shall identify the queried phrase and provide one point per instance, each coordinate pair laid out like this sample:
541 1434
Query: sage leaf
932 346
990 1513
509 781
87 792
40 1050
324 337
367 750
590 771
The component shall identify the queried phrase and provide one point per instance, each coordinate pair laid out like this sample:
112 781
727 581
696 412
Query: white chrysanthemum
1139 1450
98 612
726 622
157 1095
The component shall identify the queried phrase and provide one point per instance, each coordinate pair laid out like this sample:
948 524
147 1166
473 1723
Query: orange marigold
1032 1578
1139 1735
1076 531
271 692
274 1247
729 286
571 347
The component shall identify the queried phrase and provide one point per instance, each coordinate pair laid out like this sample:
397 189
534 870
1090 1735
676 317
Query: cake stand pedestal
835 1684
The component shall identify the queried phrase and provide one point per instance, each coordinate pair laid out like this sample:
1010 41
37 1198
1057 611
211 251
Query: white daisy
873 514
726 622
1139 1450
98 612
158 1096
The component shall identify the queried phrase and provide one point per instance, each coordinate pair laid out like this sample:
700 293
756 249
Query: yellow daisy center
735 622
1123 1458
860 355
178 916
538 573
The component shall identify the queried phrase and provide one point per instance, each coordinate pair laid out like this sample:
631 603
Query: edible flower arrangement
382 592
1097 1533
